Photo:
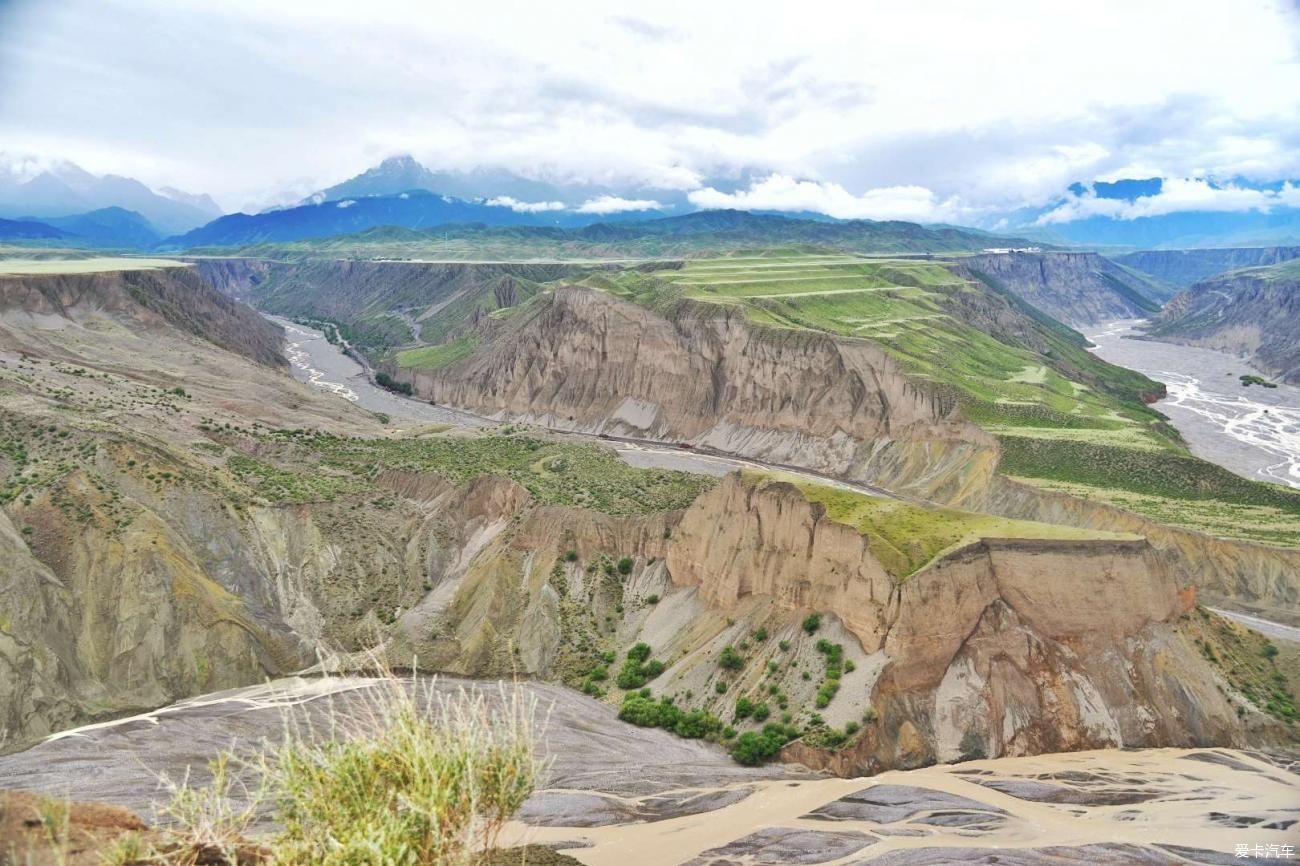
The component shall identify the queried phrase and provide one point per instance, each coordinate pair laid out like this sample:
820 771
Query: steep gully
318 362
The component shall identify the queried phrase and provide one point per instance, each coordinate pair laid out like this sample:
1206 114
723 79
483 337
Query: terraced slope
1010 371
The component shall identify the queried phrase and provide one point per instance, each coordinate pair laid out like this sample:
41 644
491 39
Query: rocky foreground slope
178 518
1254 313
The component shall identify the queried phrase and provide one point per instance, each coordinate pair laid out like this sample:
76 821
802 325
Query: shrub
812 622
638 668
644 711
1269 651
760 634
720 687
730 659
570 555
761 712
753 748
384 380
625 566
652 598
784 645
744 709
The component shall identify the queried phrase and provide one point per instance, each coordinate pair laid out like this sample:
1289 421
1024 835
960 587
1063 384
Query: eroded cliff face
1075 288
584 360
1002 647
1259 576
1254 313
153 299
1182 268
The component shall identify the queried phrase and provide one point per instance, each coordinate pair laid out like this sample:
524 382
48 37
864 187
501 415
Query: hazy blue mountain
112 227
29 230
414 209
61 188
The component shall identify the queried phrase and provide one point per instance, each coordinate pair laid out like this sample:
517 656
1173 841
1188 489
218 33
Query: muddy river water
1253 431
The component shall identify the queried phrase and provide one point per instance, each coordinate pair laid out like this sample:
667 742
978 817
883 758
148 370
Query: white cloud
524 206
989 110
345 203
783 193
606 204
1176 195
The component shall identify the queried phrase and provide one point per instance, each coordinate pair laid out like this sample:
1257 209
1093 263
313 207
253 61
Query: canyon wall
701 374
1075 288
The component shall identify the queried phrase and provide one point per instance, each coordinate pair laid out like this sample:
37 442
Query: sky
930 110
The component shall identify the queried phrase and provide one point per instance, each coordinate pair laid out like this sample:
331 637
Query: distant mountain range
120 212
31 189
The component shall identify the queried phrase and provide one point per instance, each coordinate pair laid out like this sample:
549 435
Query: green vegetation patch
437 357
1164 474
585 476
281 487
1247 660
907 537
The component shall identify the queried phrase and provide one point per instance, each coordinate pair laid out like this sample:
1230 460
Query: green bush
720 687
744 709
753 748
625 566
760 634
638 668
730 659
812 622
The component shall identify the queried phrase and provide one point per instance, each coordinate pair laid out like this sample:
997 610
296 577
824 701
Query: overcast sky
919 110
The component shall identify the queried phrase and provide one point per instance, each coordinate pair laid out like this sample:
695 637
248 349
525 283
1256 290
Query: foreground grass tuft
413 779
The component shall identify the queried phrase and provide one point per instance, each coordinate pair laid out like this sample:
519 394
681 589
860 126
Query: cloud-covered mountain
1174 213
502 188
30 187
412 209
